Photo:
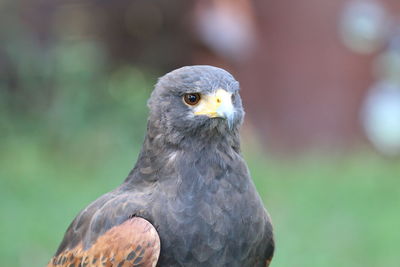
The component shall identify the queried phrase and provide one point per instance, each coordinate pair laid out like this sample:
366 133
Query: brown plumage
132 243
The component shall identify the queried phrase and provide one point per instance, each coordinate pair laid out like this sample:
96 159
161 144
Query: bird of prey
189 200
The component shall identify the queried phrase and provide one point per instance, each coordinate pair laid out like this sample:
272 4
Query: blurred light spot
381 117
363 26
227 29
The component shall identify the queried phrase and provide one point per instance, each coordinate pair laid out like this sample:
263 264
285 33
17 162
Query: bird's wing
135 242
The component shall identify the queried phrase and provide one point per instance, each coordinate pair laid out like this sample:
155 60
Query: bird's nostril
218 100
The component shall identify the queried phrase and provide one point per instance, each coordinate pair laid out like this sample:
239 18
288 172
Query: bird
189 200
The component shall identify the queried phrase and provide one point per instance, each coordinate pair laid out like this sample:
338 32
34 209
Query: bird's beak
217 105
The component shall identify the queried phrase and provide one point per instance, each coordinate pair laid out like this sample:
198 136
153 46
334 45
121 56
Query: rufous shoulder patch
132 243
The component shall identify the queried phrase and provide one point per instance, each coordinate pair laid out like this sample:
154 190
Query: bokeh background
320 83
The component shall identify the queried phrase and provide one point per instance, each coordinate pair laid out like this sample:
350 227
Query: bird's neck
159 152
161 140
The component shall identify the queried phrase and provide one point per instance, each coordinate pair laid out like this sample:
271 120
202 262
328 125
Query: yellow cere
210 105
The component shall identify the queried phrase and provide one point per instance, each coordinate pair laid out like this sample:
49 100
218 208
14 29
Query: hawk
189 200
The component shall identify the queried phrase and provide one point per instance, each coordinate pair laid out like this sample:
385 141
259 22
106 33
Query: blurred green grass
332 211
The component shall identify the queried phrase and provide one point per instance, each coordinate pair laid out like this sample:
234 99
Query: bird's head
196 100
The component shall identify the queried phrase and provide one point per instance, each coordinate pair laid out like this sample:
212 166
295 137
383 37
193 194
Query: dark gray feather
190 182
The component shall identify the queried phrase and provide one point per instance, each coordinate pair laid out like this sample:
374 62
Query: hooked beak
217 105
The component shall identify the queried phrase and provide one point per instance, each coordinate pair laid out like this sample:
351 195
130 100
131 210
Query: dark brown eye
191 99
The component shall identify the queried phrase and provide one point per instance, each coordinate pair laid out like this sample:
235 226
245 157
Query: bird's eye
191 99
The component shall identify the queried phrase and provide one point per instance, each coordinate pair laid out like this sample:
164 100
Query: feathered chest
209 217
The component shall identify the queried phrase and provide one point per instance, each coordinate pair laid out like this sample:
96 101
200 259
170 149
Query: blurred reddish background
305 66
